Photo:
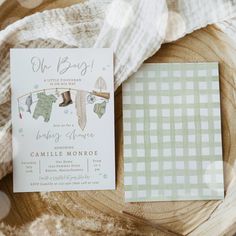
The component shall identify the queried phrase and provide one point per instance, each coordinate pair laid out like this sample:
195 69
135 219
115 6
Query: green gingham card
172 133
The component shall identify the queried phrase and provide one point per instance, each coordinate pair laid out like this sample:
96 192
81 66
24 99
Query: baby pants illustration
44 106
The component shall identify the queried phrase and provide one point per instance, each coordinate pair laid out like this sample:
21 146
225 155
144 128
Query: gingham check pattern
172 133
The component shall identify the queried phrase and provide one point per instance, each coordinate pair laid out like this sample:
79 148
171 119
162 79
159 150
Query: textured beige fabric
229 27
190 15
60 225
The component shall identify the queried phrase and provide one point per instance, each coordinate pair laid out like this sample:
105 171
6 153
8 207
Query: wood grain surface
170 218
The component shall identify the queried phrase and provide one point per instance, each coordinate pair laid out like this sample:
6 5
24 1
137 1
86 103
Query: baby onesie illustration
44 106
98 98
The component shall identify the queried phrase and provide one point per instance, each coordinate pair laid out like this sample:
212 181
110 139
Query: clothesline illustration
82 99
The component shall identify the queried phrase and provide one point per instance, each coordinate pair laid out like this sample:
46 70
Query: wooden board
189 217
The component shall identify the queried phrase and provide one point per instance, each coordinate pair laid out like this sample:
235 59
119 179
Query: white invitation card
63 119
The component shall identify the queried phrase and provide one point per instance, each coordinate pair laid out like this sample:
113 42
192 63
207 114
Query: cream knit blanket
135 29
